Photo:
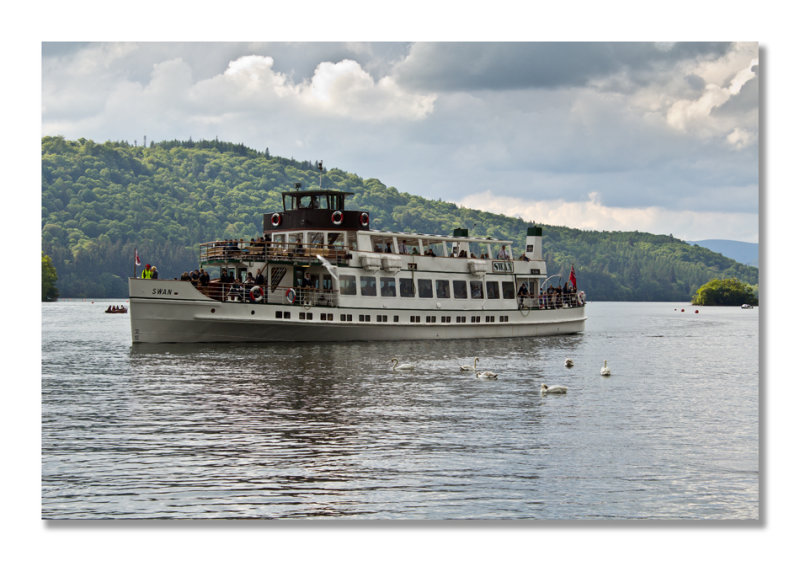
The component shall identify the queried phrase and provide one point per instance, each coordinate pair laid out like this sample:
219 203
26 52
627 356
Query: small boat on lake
116 310
320 273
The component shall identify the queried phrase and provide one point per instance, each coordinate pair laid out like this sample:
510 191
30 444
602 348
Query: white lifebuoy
291 295
364 219
256 294
337 217
276 220
582 297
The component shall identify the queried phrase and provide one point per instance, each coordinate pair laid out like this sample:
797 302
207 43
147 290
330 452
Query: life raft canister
364 219
276 220
291 295
337 217
256 294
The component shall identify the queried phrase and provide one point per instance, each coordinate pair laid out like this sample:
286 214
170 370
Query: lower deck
185 314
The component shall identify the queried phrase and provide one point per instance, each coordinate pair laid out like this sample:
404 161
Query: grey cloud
499 66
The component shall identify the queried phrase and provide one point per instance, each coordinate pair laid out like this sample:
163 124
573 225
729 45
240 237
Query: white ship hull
320 273
176 312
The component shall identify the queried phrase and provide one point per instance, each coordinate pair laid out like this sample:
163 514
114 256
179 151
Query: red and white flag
572 277
136 260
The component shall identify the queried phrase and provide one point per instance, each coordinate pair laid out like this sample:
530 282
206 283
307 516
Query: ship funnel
533 243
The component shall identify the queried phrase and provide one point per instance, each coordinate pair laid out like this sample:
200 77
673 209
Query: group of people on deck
149 272
553 297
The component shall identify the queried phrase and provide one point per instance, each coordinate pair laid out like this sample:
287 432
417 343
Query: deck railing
552 301
261 294
222 251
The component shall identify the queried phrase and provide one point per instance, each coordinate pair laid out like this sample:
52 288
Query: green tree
49 278
725 292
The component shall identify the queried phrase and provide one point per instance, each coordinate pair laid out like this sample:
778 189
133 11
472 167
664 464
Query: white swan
605 371
568 363
486 374
404 366
553 389
467 368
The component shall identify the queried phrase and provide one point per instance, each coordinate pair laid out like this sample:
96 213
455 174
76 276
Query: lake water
329 430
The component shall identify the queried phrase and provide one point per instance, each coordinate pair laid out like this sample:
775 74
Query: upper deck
315 226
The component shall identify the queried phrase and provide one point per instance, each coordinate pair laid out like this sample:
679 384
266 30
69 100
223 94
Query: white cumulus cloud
592 214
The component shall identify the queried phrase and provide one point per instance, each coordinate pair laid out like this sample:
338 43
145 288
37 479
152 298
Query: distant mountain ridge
742 252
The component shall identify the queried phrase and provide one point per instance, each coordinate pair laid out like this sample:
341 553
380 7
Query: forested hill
100 201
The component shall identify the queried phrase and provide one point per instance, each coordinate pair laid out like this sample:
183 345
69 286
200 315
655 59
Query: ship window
347 284
492 290
476 289
459 289
388 286
442 289
368 287
508 290
407 288
425 288
316 239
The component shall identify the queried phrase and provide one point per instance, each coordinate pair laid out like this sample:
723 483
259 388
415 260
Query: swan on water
404 366
568 363
465 368
486 374
605 371
553 389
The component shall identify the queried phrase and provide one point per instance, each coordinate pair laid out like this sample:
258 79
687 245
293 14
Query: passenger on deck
153 272
259 278
204 278
503 254
146 273
250 280
237 291
403 247
522 293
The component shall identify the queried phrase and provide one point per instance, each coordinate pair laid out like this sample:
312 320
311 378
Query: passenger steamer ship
328 277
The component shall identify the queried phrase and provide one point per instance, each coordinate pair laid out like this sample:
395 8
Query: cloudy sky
657 137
